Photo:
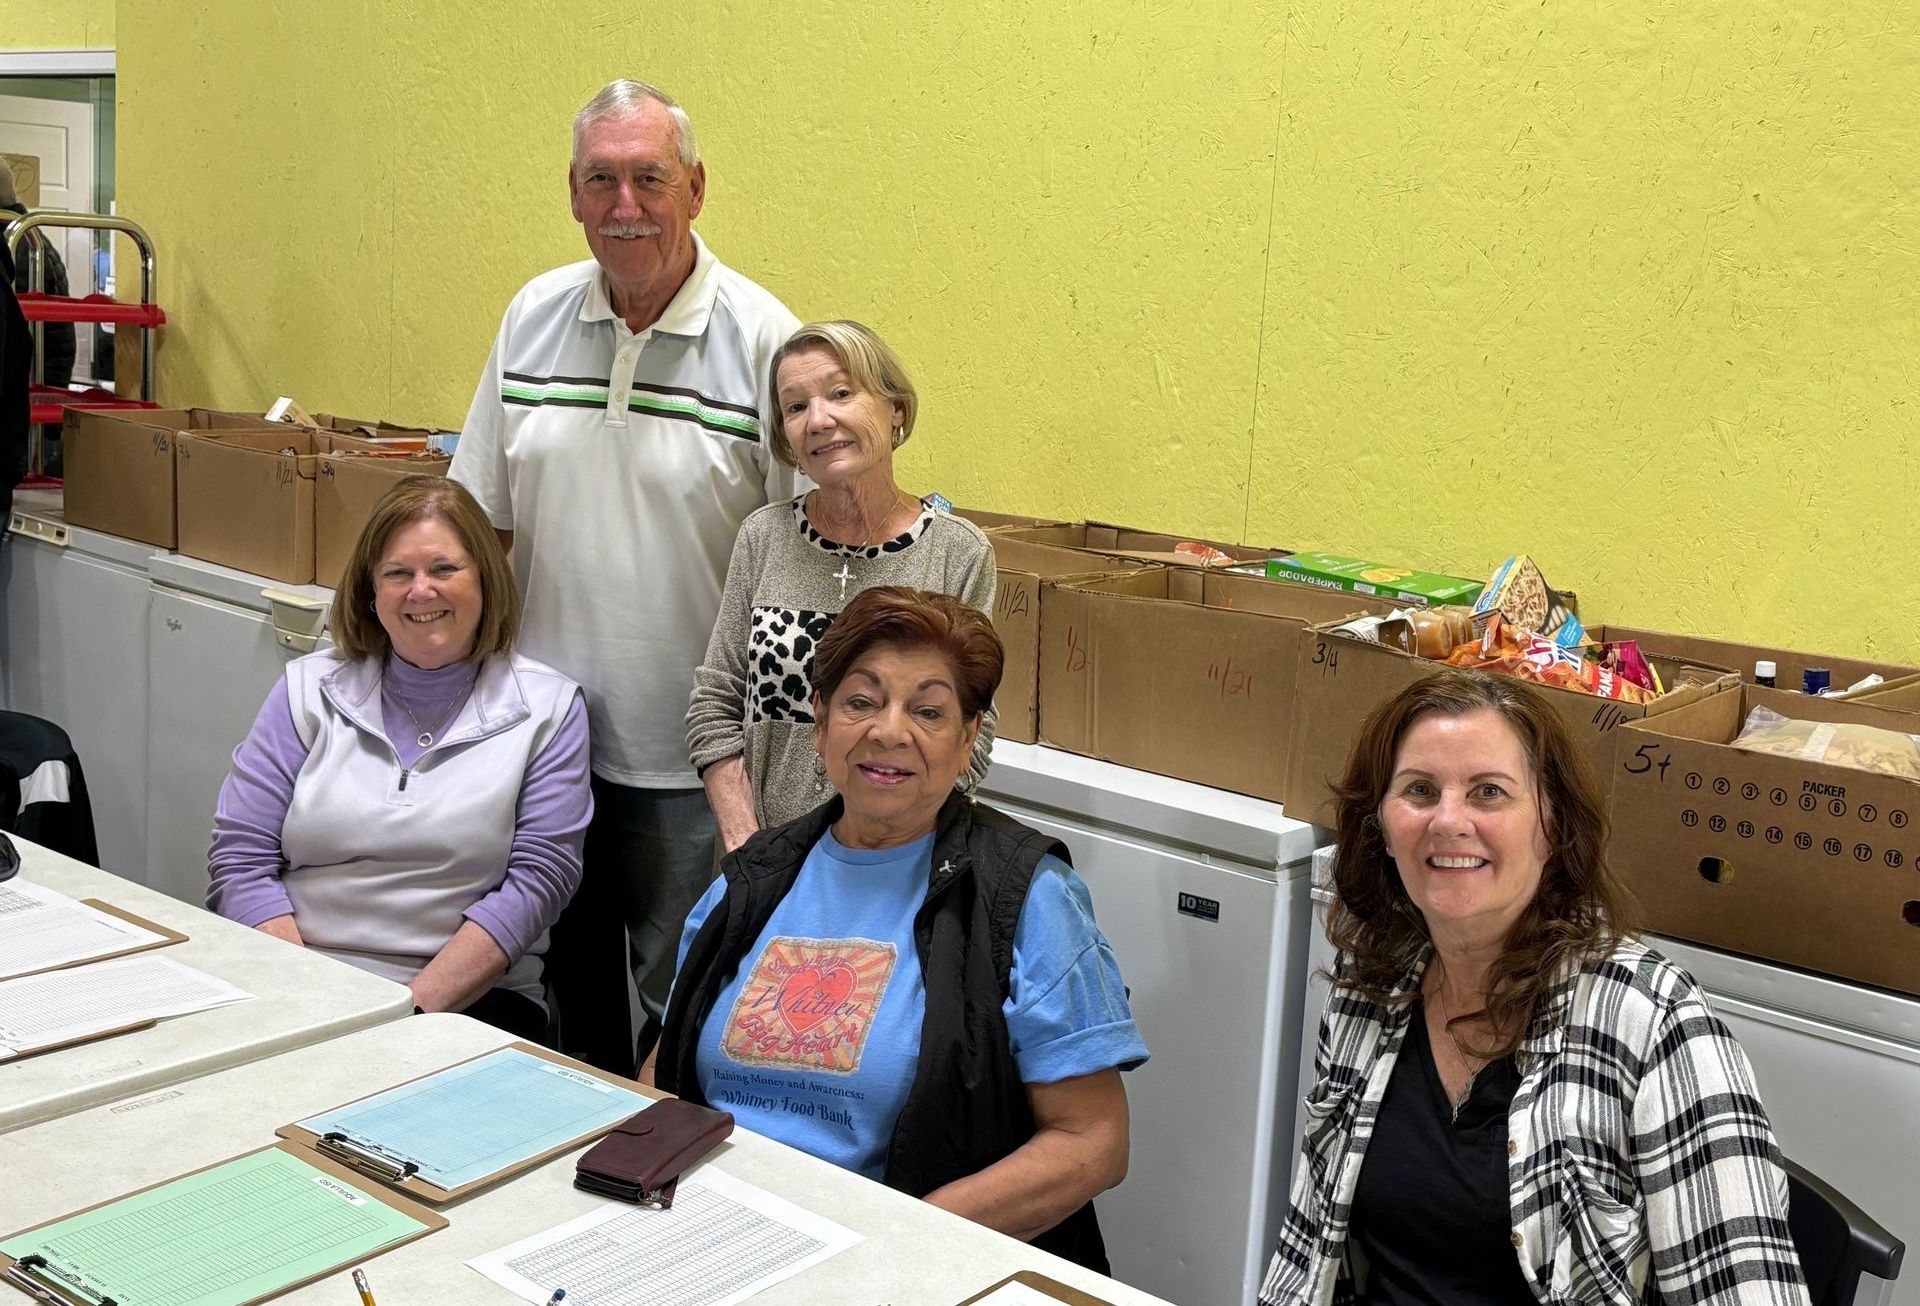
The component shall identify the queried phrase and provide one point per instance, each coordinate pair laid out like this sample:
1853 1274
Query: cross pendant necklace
844 575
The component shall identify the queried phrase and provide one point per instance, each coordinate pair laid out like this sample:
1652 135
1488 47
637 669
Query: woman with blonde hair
845 404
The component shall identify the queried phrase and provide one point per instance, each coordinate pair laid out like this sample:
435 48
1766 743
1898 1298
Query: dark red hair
898 617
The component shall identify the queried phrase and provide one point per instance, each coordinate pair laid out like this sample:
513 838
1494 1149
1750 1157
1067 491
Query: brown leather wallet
646 1153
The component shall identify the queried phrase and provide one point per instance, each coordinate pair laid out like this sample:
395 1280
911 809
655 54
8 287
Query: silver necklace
845 575
425 737
1473 1064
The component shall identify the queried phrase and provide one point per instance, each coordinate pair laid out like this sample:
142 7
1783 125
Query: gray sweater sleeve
975 585
717 710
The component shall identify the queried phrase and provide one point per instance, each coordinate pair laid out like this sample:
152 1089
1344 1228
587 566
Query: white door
60 134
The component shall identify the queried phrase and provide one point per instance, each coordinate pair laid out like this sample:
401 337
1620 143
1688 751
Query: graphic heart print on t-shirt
809 1004
812 993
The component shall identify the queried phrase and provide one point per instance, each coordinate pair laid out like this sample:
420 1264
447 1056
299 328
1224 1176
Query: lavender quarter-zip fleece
246 862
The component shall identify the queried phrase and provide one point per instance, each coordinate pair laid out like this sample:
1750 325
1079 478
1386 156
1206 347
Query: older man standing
617 440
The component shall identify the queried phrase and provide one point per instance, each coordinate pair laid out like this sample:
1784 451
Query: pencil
360 1284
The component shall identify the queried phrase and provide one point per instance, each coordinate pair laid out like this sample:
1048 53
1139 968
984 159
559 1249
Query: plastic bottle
1764 672
1814 680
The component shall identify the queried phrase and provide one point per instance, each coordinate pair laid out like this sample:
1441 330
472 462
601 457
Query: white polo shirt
624 465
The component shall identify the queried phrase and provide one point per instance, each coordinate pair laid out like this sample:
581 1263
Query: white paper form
41 928
723 1241
59 1006
482 1116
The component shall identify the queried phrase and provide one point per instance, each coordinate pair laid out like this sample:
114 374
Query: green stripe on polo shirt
699 412
573 394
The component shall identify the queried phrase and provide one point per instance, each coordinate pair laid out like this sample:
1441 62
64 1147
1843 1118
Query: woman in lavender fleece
413 801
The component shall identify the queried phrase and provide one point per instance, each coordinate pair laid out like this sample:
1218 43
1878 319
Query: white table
913 1253
300 998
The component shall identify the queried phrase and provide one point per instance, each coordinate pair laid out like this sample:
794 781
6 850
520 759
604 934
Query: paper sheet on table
240 1231
722 1242
41 928
60 1006
481 1117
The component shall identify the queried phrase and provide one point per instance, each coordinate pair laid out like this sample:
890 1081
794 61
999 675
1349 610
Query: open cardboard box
1342 678
1017 596
119 467
1798 862
1125 541
246 502
1180 670
387 434
1789 663
994 521
351 481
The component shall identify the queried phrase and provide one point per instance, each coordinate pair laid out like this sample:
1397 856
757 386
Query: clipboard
395 1171
42 1287
78 1041
166 940
1040 1283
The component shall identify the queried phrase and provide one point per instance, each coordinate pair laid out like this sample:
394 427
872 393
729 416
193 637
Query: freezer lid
1156 807
133 554
210 580
1821 999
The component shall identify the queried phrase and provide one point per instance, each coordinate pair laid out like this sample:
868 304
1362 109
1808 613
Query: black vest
967 1107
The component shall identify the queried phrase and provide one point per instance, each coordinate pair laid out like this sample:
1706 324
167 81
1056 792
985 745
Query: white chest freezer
213 652
1203 895
73 651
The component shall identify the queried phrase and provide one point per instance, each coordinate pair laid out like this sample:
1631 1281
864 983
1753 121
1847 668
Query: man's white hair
623 96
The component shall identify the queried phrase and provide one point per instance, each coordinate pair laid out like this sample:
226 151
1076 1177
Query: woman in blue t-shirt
905 982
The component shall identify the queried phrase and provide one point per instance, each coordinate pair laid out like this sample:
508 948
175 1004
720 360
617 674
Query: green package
1358 576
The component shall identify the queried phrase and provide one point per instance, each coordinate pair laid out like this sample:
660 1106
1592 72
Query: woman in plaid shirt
1570 1122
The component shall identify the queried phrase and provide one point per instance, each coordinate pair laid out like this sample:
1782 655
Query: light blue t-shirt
816 1040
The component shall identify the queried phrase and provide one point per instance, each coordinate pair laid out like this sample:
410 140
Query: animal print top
753 693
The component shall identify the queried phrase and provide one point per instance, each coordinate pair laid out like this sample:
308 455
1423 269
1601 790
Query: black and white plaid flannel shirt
1641 1164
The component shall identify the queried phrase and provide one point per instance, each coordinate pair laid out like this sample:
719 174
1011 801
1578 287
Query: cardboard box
1901 695
1357 576
119 467
1179 670
1343 678
993 521
1789 662
350 484
383 432
245 503
1798 862
1127 542
1017 595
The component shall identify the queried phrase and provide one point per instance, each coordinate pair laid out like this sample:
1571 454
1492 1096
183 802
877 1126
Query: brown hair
870 364
357 632
914 619
1578 911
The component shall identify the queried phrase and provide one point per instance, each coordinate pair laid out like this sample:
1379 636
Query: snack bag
1204 554
1625 659
1863 748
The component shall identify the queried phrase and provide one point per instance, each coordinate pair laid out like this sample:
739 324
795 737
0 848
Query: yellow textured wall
1630 286
56 24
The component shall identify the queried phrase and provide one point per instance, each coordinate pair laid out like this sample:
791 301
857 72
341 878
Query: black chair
1839 1243
43 792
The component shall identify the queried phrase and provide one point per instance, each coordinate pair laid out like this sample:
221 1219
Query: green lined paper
242 1230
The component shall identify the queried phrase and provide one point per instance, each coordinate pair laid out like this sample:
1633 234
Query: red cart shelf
50 402
90 308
